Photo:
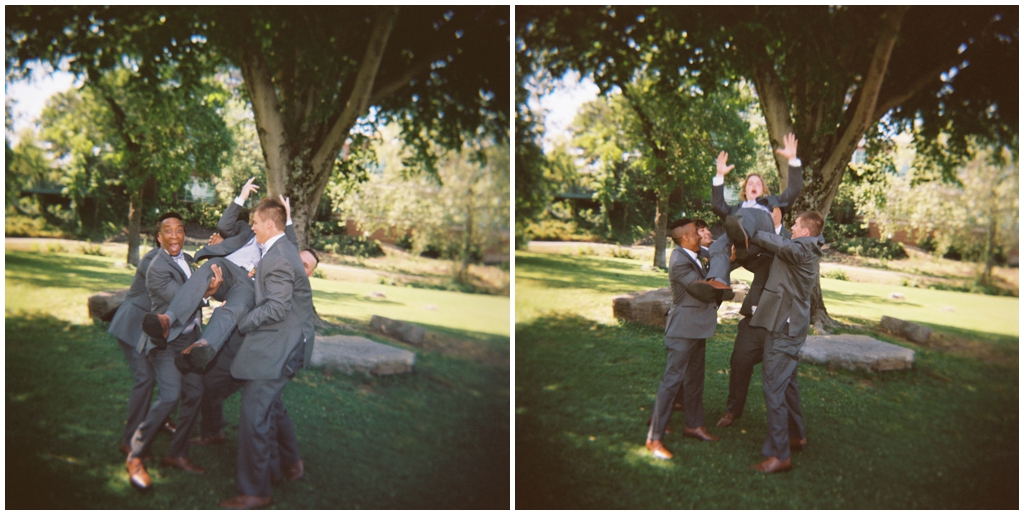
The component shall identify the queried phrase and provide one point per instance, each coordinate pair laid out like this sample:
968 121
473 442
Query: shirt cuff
289 222
238 200
795 162
718 180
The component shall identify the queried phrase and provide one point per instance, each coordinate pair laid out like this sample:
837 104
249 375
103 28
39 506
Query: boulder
647 307
399 330
103 305
349 354
853 351
916 333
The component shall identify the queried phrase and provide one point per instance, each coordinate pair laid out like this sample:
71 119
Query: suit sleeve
684 272
718 204
289 232
278 285
784 249
796 184
227 221
160 283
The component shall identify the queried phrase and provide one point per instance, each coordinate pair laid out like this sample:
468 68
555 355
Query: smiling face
753 187
262 227
705 236
171 236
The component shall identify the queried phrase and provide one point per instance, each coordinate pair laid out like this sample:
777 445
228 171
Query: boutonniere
251 268
192 265
703 261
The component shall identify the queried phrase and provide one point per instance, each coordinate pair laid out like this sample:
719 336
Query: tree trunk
820 321
134 226
660 229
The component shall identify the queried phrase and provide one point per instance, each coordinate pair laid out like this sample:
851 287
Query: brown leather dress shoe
708 290
772 465
659 450
727 419
738 236
700 433
208 440
183 463
137 474
246 502
797 444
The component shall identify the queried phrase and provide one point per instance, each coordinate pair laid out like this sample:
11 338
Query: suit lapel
174 266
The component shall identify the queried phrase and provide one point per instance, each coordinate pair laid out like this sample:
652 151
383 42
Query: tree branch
411 73
269 120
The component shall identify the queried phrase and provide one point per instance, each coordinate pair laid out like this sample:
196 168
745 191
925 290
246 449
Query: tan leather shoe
773 465
700 433
137 474
797 444
659 450
727 419
182 463
246 502
209 440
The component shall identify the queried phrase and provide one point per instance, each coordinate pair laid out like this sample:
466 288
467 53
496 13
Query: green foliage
16 225
870 247
549 229
839 275
330 237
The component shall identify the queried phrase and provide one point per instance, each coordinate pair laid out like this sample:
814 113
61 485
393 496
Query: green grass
942 435
437 438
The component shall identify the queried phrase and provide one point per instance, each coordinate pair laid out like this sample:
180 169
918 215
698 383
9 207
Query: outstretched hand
247 189
720 164
789 146
215 281
215 238
287 207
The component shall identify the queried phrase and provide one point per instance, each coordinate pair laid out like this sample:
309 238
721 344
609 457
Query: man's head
704 232
809 223
309 261
684 232
268 219
753 187
170 232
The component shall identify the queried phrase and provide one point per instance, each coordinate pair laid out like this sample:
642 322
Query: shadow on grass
878 441
436 438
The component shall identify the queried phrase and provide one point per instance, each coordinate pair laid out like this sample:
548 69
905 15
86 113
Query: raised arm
796 180
718 204
289 228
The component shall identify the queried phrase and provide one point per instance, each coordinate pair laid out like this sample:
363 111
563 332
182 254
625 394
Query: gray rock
351 354
852 351
647 307
916 333
399 330
103 305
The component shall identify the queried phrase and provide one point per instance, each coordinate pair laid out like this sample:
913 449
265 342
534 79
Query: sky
561 105
28 96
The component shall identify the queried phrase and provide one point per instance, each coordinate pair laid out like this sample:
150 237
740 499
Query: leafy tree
829 74
310 73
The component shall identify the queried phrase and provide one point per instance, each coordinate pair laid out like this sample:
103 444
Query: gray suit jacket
759 266
127 323
793 274
238 233
279 330
784 200
689 317
163 280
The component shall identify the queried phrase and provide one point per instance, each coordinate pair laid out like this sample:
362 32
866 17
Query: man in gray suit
278 342
126 326
231 264
784 309
748 348
689 323
168 270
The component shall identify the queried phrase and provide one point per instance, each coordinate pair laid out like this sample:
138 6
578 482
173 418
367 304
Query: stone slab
648 307
103 305
916 333
399 330
350 354
853 351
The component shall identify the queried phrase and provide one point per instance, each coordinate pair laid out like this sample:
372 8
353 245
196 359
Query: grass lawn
436 438
943 435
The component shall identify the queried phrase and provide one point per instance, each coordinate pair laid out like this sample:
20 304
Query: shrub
91 250
837 274
870 247
31 227
619 252
330 237
557 230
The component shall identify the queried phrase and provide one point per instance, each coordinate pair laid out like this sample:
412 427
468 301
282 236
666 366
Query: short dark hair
680 222
701 224
273 209
813 221
311 251
165 216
